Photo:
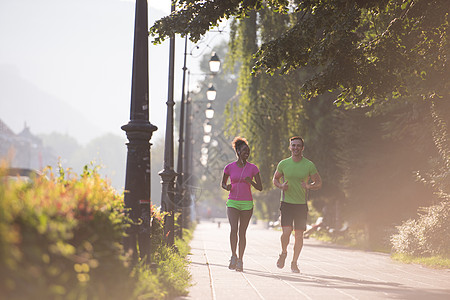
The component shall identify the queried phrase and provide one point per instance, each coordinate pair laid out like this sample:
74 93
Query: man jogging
294 176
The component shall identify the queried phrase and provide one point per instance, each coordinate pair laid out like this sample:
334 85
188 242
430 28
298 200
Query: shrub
60 238
426 236
430 234
436 223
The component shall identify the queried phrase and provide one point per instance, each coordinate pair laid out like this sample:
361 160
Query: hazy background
66 66
65 72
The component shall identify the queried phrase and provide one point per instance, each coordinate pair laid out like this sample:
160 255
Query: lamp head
214 63
209 112
211 93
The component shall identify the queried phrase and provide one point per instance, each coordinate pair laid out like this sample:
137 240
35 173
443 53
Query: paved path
327 271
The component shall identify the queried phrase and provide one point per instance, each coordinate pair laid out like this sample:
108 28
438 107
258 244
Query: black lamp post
190 178
188 158
180 180
139 132
168 174
183 154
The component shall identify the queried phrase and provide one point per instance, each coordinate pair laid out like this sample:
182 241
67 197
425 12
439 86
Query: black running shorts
294 215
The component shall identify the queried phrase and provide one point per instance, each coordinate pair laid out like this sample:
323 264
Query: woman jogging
243 175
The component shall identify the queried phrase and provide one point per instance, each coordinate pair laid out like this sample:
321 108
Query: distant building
24 150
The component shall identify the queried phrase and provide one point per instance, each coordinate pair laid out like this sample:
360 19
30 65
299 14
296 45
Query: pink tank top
240 189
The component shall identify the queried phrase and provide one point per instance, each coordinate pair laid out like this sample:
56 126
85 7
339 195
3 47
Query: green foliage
266 105
169 273
429 234
438 262
168 276
367 50
205 179
439 177
350 238
387 58
196 17
108 150
182 245
148 286
426 236
166 279
60 238
270 110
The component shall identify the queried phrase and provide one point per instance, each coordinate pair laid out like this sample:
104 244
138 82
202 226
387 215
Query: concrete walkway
327 271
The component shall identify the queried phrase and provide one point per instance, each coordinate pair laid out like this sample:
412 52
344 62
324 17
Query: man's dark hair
297 138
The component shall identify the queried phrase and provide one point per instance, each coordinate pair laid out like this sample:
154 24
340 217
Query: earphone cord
240 178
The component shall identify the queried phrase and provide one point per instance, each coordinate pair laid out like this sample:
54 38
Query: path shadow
318 244
393 289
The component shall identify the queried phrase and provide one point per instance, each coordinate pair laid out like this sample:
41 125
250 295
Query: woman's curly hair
238 142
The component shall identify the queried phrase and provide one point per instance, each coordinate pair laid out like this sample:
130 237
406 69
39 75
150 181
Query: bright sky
78 53
163 5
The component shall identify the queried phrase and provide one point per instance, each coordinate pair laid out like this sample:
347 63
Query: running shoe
294 267
233 261
239 265
281 259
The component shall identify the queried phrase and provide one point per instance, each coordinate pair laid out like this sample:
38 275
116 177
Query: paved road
327 271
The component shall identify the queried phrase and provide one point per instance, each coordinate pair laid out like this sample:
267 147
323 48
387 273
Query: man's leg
298 245
286 225
285 237
299 229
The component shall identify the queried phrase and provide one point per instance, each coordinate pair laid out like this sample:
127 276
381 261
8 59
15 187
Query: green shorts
240 204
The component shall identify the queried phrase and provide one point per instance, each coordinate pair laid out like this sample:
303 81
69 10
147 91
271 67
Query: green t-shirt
295 173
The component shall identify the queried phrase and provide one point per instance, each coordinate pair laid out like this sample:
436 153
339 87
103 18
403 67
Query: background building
24 150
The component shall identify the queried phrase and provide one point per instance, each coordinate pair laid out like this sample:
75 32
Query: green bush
60 238
428 235
168 276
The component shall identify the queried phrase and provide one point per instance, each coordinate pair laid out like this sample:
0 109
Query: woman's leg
233 218
245 216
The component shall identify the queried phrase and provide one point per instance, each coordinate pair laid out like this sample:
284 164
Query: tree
368 50
107 151
63 145
268 110
387 58
205 179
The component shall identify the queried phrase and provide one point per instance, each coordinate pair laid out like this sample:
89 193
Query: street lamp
139 132
204 159
206 139
168 174
207 127
211 93
214 65
209 112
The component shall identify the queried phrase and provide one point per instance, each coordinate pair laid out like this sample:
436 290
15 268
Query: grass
435 262
352 241
169 276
